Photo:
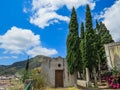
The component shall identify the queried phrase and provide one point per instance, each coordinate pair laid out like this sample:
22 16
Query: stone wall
82 83
113 55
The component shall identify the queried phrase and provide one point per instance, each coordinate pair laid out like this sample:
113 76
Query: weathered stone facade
113 55
49 67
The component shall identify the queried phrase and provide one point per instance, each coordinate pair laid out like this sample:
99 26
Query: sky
40 27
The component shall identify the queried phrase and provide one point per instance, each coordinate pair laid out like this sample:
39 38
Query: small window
59 65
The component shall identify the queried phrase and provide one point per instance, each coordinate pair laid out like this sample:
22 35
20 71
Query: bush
38 81
25 76
113 78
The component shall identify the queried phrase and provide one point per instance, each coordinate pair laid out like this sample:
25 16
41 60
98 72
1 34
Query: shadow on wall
115 56
117 60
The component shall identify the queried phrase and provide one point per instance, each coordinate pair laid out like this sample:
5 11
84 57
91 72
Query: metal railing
28 86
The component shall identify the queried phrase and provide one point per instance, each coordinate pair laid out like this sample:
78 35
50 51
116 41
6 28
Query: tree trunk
87 77
75 79
95 78
83 77
99 69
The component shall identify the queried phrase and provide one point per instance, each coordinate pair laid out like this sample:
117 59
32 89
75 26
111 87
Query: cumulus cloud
41 51
20 41
16 40
111 18
44 11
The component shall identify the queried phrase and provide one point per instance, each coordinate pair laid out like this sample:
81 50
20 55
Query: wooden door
58 78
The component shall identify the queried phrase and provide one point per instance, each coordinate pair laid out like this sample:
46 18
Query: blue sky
40 27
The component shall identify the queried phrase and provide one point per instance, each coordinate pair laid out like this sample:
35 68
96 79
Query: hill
20 66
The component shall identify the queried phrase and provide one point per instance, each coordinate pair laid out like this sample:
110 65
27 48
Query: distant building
113 55
7 77
56 73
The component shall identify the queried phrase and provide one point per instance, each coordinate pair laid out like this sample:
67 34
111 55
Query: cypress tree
90 43
82 31
26 73
105 38
73 44
81 46
27 65
97 26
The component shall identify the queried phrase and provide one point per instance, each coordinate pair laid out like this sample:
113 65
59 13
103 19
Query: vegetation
105 38
113 78
38 80
19 67
27 71
73 44
91 45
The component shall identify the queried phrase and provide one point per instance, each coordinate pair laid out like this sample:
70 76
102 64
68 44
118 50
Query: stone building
113 55
56 73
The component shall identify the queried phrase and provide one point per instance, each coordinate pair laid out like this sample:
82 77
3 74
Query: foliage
82 31
82 46
90 44
27 65
104 37
38 80
26 73
19 67
73 44
113 78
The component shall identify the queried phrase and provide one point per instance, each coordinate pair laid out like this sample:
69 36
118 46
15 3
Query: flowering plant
112 77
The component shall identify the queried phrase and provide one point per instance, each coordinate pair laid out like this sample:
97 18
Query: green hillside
20 66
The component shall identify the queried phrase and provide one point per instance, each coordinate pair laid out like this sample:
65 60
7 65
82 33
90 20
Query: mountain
20 66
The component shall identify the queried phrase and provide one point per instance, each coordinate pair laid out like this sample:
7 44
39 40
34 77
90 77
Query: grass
69 88
15 85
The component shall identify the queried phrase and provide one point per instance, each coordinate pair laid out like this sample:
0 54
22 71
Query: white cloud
16 40
20 41
111 18
8 57
41 51
44 11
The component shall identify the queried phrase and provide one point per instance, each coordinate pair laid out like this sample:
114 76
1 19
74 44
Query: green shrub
38 81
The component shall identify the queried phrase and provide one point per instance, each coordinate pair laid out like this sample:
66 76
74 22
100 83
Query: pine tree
73 44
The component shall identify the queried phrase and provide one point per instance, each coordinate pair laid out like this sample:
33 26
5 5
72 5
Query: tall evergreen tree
27 65
82 31
105 38
97 26
73 44
90 44
98 46
81 46
26 72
